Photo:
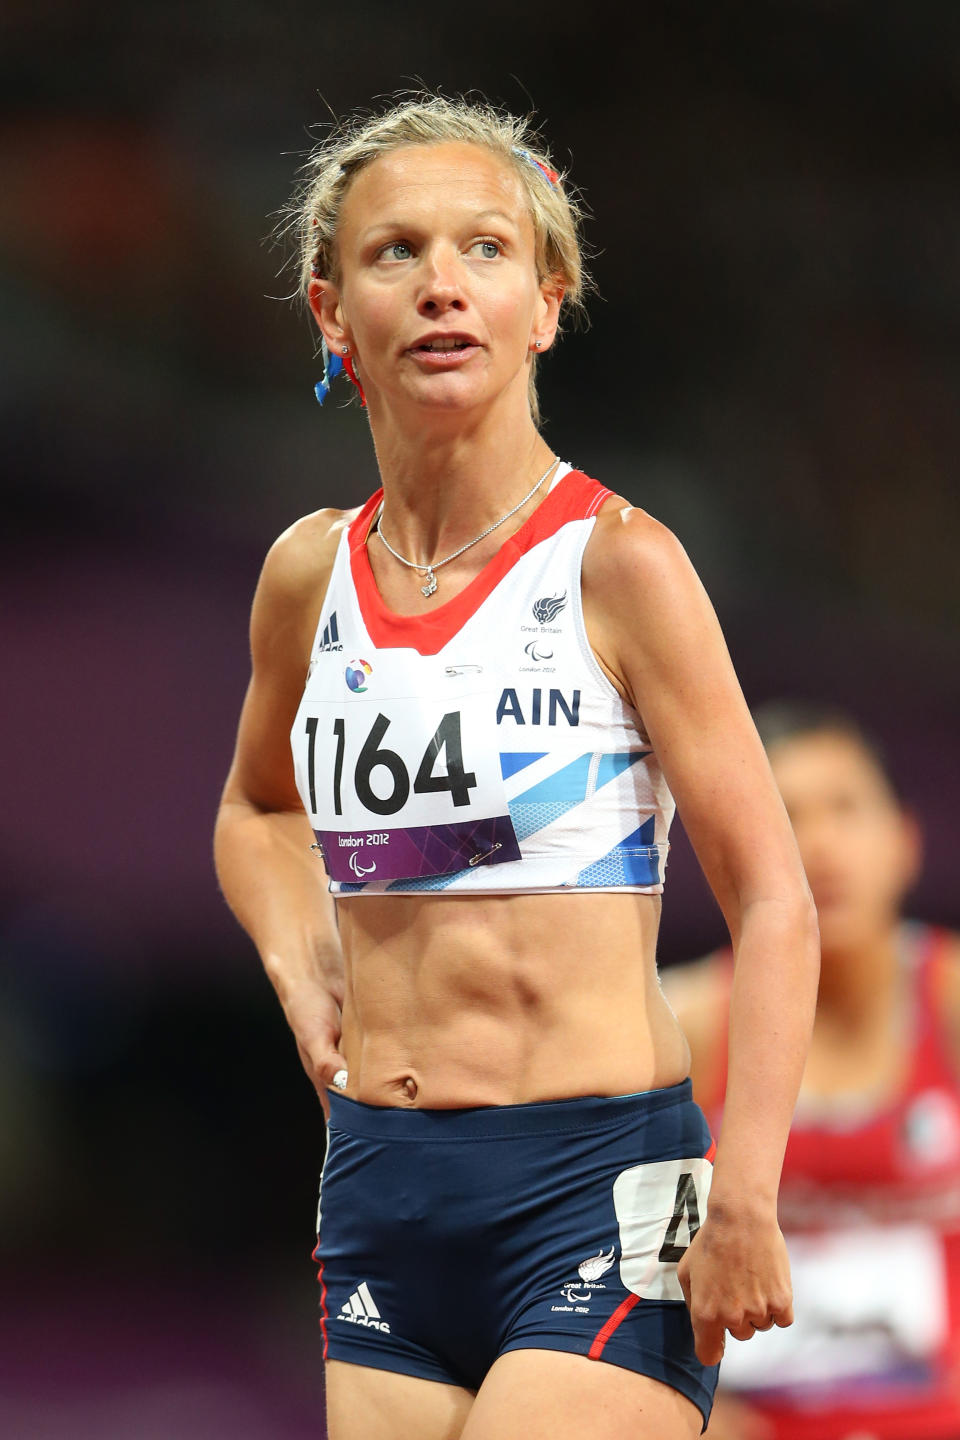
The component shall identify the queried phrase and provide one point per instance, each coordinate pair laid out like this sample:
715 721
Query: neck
445 483
858 981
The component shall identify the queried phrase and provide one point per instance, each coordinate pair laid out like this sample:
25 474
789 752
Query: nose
441 286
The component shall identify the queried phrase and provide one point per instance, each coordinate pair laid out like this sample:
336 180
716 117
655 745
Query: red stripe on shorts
616 1319
711 1152
324 1316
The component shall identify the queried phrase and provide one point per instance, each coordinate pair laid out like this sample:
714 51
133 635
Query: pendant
431 584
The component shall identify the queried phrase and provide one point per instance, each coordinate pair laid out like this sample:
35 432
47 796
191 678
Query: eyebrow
393 226
496 215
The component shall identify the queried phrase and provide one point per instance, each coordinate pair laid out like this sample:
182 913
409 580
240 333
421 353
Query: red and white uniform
870 1206
480 748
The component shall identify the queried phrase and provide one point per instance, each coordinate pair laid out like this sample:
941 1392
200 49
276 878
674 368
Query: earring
539 343
346 349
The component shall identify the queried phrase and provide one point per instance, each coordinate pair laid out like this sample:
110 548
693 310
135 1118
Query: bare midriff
504 1000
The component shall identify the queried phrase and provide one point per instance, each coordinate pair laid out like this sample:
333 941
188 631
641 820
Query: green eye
397 250
490 249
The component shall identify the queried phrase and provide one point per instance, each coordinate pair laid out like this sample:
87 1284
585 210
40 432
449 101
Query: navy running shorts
448 1237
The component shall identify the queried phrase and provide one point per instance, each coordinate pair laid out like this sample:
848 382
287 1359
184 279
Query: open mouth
439 347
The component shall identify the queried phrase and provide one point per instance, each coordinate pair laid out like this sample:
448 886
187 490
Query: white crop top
479 749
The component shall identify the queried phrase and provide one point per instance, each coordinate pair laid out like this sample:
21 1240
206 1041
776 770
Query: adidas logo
330 639
360 1310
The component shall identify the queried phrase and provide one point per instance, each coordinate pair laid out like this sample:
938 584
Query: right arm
271 879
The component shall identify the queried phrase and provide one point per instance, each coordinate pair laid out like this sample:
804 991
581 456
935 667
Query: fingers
735 1281
710 1333
710 1329
683 1276
326 1069
709 1338
742 1329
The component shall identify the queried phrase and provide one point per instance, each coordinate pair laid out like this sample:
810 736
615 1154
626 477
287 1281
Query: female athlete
870 1200
495 676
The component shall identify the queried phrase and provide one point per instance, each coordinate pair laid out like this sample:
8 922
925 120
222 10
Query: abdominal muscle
504 1000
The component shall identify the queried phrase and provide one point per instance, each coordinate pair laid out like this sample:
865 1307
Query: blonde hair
556 211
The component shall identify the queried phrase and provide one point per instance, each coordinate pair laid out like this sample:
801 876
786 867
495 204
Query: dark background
772 369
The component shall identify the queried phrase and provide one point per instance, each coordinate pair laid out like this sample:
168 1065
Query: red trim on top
616 1319
575 497
711 1152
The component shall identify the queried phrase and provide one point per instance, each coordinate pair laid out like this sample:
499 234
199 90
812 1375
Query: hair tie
551 175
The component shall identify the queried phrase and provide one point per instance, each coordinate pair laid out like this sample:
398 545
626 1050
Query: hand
313 1015
735 1276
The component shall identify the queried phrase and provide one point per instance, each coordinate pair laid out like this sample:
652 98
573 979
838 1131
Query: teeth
447 344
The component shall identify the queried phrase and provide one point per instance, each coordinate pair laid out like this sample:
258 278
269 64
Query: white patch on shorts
659 1207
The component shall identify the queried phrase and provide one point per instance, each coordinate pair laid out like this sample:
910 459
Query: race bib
397 785
868 1302
660 1206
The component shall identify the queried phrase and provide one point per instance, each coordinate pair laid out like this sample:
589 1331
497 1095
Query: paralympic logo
356 675
358 869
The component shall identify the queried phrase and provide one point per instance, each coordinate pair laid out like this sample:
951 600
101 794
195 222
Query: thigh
540 1394
382 1405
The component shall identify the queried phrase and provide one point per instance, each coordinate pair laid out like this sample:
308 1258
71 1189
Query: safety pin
475 859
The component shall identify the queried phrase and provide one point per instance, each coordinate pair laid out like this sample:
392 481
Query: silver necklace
427 570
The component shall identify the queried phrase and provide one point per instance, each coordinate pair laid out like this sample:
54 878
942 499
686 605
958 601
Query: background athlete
456 1007
870 1199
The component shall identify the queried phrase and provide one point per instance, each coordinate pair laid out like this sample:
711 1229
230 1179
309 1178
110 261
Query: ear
324 300
547 316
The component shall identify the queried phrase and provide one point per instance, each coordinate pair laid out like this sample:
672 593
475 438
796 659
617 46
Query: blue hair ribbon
332 365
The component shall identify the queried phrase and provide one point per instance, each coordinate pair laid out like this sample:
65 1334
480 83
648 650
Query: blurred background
772 369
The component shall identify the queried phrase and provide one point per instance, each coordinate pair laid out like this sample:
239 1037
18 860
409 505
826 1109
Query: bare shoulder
286 608
302 557
648 617
296 573
633 560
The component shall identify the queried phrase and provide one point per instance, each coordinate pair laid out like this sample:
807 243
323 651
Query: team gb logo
548 608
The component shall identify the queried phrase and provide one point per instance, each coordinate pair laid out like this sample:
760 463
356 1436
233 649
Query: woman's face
860 850
438 295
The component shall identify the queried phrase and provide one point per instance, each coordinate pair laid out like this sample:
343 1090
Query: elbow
800 914
788 915
801 921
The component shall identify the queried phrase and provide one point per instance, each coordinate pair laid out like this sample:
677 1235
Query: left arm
658 638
